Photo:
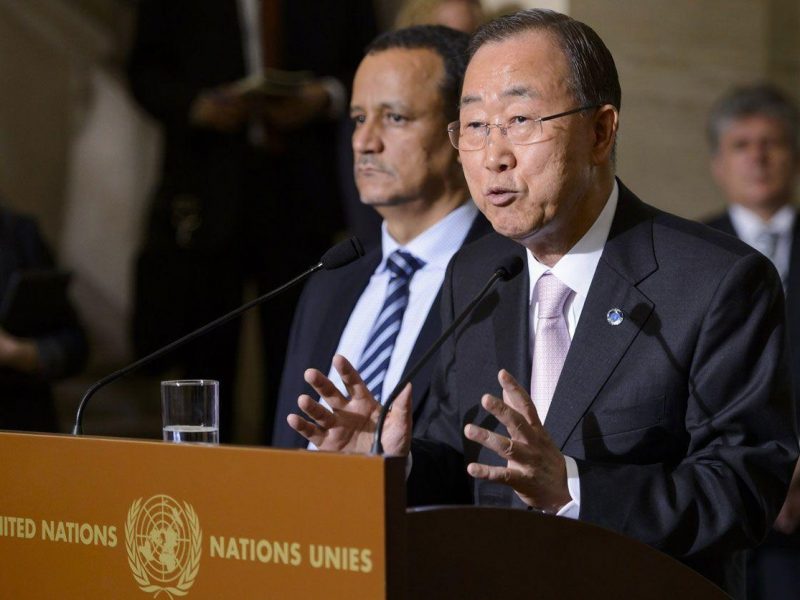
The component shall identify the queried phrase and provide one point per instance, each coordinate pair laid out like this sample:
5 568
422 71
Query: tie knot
403 265
551 294
767 242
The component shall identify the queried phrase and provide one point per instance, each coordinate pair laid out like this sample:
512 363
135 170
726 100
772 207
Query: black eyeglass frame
454 133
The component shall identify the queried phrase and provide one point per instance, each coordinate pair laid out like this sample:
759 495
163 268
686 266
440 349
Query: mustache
371 162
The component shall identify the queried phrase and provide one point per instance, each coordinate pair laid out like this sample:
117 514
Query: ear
605 124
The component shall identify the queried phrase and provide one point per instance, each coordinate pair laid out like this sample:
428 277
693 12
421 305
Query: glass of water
190 410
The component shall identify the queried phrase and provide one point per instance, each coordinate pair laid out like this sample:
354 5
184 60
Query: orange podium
89 517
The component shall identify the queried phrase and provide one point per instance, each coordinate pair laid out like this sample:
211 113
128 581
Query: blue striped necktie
378 352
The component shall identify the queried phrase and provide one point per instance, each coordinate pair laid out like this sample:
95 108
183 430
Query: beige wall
73 150
675 58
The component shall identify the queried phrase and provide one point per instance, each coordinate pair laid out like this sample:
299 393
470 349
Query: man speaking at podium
651 348
382 311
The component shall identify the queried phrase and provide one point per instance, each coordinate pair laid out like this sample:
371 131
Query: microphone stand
502 272
339 255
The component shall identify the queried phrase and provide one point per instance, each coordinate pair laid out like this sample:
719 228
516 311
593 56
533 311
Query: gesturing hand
536 468
349 424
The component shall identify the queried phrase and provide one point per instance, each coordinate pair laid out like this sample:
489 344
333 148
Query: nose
367 138
762 151
499 152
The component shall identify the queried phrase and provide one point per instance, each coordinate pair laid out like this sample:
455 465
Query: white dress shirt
751 229
576 270
435 246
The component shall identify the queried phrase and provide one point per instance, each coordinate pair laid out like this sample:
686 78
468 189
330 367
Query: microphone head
342 254
509 267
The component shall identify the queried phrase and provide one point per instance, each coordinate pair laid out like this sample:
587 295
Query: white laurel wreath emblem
189 573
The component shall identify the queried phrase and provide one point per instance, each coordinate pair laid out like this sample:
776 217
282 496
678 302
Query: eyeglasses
520 131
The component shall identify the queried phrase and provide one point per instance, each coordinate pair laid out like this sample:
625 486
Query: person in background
249 94
33 357
462 15
754 136
383 311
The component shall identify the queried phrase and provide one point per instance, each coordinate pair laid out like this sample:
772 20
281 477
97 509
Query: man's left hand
536 468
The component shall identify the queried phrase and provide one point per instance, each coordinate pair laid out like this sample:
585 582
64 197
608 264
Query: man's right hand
349 425
220 109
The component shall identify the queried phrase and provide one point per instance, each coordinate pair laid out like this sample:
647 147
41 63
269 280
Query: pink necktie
551 341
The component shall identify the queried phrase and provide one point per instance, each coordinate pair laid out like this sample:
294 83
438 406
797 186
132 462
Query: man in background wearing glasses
634 375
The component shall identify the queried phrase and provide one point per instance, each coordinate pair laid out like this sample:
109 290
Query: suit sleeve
740 441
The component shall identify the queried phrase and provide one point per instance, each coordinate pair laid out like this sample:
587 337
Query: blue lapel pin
615 316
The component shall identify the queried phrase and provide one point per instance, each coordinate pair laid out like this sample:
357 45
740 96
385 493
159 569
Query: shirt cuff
572 509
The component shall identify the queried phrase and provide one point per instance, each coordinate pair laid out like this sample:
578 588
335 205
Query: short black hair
449 44
593 74
761 99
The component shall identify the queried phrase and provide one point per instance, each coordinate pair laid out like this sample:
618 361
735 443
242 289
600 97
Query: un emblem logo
164 543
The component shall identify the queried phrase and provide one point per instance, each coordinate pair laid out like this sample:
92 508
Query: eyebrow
398 106
468 100
518 91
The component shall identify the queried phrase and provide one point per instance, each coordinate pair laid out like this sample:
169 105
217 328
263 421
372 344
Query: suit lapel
793 279
725 224
597 346
432 327
511 327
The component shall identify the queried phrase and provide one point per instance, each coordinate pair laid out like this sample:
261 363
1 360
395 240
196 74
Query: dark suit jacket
320 318
26 400
723 223
678 418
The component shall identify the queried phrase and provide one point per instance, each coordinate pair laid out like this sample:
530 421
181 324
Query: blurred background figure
754 135
248 94
36 348
463 15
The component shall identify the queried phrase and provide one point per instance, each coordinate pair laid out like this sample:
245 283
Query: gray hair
593 74
761 99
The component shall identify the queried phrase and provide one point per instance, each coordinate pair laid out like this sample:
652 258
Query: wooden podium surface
110 518
86 517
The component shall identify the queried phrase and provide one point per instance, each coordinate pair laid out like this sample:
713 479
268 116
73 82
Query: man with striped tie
382 312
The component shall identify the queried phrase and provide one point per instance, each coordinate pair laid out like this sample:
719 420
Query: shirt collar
748 225
437 244
576 268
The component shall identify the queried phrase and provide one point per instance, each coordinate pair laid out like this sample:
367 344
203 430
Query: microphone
339 255
507 268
